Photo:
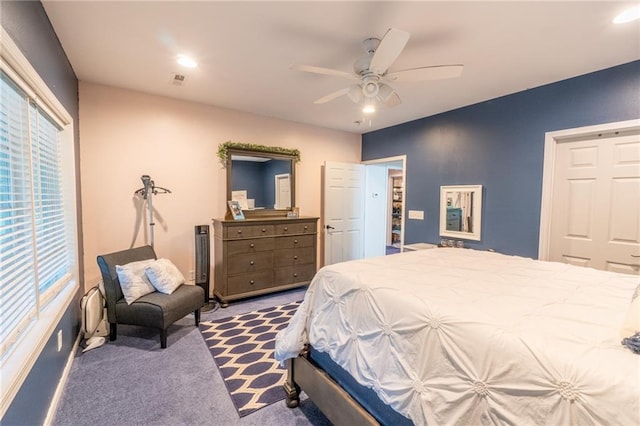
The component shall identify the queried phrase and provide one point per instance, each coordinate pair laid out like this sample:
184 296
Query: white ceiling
245 50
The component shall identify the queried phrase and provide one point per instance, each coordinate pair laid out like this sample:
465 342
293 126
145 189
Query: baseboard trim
51 413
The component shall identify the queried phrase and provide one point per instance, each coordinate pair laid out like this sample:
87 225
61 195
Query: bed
459 336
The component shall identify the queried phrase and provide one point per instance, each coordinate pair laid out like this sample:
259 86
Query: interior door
595 219
343 211
283 191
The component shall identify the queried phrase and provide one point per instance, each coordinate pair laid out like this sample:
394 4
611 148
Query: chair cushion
161 310
164 276
133 280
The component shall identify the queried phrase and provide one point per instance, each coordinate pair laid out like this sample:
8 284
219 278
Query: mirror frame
254 153
476 190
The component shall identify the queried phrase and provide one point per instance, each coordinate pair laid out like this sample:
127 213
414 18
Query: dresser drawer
287 257
249 246
253 262
295 228
453 225
250 282
297 241
294 274
453 214
248 231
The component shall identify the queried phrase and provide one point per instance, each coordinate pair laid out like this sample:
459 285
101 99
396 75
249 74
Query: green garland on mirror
223 147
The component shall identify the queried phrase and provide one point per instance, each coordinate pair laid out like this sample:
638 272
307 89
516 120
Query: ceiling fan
371 71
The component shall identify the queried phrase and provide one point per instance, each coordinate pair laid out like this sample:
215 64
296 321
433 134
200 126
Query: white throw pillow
133 280
164 276
631 324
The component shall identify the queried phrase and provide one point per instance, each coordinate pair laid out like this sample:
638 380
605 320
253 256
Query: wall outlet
192 275
59 340
416 214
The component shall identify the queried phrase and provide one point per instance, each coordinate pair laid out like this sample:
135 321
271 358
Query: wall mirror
262 182
461 211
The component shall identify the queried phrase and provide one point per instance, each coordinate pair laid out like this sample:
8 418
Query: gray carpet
131 381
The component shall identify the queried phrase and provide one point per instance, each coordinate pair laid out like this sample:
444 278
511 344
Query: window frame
54 301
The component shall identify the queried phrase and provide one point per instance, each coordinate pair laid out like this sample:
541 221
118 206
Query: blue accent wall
29 27
500 144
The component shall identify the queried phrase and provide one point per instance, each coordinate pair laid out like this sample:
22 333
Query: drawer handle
239 231
264 230
251 263
306 227
252 245
295 241
295 257
286 228
295 275
252 282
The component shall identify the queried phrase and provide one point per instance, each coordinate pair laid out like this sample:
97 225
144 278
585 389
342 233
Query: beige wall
125 134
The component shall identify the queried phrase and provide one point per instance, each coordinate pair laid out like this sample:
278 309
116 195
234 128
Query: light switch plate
416 214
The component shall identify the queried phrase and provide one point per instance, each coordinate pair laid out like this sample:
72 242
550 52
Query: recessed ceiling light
186 61
628 15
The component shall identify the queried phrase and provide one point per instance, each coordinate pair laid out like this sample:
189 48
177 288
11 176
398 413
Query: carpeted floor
133 382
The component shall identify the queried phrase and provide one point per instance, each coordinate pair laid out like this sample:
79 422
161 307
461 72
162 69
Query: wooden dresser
258 256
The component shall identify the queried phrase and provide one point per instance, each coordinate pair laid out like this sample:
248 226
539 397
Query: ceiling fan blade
323 71
388 50
332 96
393 100
437 72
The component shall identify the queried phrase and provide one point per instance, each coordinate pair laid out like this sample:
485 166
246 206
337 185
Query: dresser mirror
262 182
461 211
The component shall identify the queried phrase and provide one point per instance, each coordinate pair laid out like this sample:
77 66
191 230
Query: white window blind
39 268
34 243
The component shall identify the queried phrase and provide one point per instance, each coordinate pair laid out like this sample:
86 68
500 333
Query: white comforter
458 336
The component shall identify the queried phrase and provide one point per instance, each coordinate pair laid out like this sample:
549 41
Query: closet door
595 219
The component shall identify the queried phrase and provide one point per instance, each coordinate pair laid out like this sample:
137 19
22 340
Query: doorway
358 208
385 201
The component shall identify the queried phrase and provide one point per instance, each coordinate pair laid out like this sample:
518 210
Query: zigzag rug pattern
242 347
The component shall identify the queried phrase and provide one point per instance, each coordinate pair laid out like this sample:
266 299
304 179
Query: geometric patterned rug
242 347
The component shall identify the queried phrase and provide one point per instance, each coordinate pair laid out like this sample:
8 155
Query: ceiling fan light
369 108
369 88
385 92
355 93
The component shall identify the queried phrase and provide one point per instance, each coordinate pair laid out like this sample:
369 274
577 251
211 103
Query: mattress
461 336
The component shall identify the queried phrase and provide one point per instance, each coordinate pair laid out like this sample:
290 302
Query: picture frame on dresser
235 209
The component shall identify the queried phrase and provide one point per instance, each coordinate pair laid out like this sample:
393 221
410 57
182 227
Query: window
38 254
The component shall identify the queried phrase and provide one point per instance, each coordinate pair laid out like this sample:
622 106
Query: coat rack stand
147 192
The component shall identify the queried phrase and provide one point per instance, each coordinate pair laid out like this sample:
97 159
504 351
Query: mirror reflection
261 182
461 211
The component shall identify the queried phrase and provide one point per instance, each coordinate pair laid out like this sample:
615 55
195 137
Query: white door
283 191
343 211
595 213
